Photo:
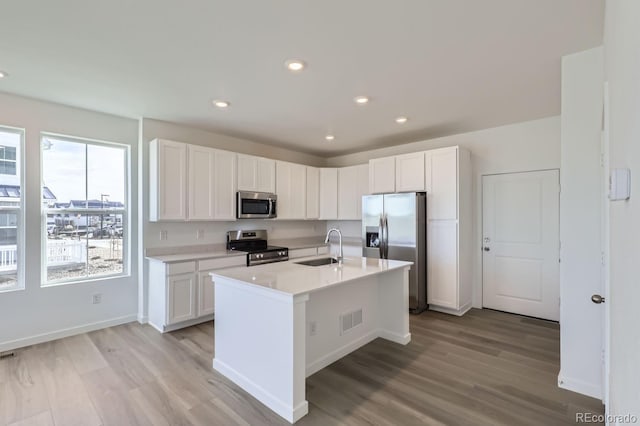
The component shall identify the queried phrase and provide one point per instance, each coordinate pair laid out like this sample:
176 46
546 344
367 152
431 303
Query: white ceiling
449 65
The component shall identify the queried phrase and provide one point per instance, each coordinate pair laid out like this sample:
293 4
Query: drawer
222 262
181 268
294 254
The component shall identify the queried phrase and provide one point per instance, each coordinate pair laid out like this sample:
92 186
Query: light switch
620 184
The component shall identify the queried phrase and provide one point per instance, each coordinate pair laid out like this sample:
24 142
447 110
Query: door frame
482 219
605 241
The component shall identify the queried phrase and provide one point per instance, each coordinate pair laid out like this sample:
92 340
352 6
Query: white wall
532 145
622 71
35 313
184 234
581 202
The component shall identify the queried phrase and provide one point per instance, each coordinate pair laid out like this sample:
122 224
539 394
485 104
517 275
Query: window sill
84 280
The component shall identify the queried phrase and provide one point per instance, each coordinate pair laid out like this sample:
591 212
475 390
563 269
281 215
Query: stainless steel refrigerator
394 226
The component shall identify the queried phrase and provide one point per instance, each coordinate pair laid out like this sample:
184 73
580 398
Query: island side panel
260 344
326 342
393 290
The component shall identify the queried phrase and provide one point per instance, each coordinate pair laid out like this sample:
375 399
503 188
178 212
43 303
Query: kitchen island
279 323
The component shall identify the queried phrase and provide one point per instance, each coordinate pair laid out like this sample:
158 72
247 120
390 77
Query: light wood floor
484 368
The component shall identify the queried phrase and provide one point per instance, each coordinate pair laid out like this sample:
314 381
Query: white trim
143 319
402 339
284 410
579 386
65 332
458 312
341 352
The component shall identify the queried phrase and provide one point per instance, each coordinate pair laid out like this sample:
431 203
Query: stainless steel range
255 244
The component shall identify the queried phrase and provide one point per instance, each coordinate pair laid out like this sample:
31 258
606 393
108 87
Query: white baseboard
143 319
580 386
401 339
342 351
287 412
183 324
59 334
458 312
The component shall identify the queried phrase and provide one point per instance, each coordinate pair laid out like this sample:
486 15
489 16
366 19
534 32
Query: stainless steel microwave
256 205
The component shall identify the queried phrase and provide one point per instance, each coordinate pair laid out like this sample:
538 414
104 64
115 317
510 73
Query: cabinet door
444 184
265 175
313 193
283 190
181 298
224 194
201 182
442 263
363 187
168 180
410 172
328 193
256 174
348 193
382 175
206 294
247 173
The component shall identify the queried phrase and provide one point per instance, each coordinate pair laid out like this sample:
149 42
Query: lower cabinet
182 294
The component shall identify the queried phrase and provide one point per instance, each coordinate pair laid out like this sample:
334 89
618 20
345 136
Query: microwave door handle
270 207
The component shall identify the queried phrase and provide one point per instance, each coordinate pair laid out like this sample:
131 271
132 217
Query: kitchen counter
294 279
214 251
276 324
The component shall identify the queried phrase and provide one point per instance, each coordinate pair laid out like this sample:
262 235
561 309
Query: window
11 212
85 186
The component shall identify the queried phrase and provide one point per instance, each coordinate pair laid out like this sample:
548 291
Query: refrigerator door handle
381 237
386 237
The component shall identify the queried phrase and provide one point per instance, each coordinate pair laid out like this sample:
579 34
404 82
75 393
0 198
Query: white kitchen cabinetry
182 294
444 183
382 175
256 174
449 251
167 180
353 183
190 182
410 172
181 298
291 188
313 193
211 183
328 193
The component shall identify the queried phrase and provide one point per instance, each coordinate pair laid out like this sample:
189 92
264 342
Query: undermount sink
318 262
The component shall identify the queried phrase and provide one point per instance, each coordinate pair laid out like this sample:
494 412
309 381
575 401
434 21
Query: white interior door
521 243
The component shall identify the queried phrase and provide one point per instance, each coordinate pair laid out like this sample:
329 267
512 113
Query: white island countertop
293 279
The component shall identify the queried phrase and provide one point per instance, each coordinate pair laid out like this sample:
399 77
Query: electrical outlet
200 234
97 298
313 328
164 235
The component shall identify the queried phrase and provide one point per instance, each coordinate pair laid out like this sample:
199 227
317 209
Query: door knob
597 299
487 249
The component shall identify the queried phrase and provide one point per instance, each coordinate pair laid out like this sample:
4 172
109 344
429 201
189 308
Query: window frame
124 212
19 211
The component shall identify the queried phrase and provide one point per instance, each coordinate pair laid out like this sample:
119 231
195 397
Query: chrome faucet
340 257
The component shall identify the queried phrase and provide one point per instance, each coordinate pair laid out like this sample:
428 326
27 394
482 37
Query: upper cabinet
313 193
211 183
443 179
291 188
190 182
256 174
328 193
382 175
410 172
167 180
353 183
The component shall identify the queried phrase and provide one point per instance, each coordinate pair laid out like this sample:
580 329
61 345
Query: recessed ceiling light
329 137
361 100
295 65
401 120
3 74
221 103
